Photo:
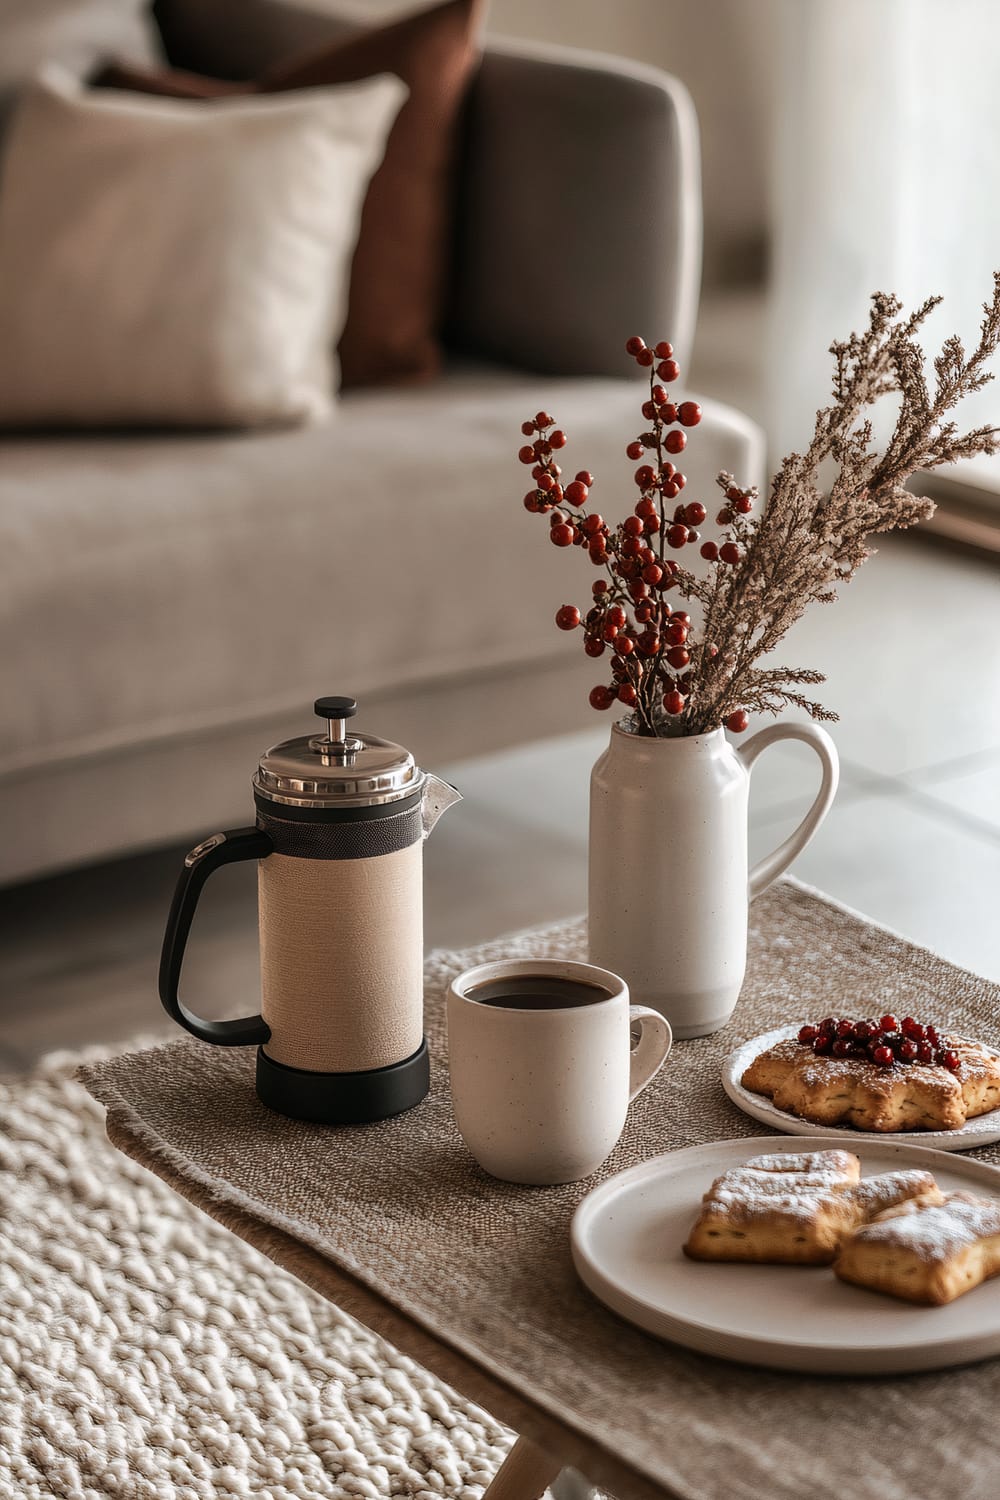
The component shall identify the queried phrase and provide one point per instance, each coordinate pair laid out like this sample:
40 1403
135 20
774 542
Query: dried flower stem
810 539
766 569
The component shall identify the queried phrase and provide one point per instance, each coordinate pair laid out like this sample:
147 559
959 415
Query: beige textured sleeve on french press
341 954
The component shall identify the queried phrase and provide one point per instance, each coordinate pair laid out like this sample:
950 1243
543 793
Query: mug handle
650 1051
773 864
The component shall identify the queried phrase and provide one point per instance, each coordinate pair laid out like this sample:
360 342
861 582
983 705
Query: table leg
525 1473
570 1484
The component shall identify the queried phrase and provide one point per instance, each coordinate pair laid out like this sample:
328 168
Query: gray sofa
172 603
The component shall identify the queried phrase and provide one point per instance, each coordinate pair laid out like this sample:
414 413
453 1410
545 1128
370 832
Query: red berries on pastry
886 1042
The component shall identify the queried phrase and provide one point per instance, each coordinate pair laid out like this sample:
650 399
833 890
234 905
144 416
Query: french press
341 820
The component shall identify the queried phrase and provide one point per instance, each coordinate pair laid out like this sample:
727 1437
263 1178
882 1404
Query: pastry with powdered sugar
926 1252
878 1075
795 1208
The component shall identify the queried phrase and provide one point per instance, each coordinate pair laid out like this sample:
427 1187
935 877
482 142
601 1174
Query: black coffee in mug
545 1056
536 992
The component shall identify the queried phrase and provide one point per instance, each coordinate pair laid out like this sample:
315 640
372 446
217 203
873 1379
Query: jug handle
220 849
768 869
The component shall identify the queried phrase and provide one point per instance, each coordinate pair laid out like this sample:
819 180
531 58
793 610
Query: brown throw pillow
401 264
168 83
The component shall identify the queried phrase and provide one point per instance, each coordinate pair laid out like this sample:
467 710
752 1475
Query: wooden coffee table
473 1279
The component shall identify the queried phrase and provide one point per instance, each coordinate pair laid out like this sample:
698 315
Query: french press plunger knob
336 712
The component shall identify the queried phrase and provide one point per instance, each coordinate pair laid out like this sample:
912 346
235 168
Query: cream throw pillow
175 263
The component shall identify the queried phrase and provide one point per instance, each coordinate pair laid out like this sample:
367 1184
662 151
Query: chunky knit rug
148 1354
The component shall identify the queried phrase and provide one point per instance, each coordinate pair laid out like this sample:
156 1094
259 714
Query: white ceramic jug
669 883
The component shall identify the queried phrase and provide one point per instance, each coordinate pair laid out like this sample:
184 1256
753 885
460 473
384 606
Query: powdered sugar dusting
747 1207
874 1195
937 1232
830 1074
748 1180
806 1161
759 1190
975 1061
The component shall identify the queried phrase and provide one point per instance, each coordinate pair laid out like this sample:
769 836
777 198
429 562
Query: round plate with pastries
628 1237
781 1044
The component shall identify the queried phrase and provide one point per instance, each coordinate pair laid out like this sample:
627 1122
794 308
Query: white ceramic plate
627 1237
982 1131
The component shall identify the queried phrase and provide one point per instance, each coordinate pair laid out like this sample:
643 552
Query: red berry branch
679 676
654 658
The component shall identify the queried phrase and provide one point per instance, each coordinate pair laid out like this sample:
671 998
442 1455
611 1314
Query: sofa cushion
401 265
169 263
158 587
77 34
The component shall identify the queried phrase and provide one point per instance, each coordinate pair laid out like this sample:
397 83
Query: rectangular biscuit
925 1252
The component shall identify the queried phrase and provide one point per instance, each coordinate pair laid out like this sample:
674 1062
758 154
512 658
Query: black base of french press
343 1098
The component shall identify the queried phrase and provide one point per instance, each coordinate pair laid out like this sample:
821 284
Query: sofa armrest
237 39
580 211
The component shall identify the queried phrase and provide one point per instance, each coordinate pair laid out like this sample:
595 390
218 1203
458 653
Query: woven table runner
485 1266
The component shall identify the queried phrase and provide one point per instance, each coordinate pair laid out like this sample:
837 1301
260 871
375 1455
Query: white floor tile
911 870
494 871
787 777
545 784
910 652
969 787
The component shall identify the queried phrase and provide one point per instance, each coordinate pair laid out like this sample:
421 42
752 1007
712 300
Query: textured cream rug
148 1354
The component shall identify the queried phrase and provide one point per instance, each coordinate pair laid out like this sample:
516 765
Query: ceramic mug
543 1065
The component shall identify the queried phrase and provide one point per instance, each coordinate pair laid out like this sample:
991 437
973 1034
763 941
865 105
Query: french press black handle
221 849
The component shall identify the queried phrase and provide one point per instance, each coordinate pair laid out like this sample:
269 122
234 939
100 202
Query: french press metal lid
338 768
